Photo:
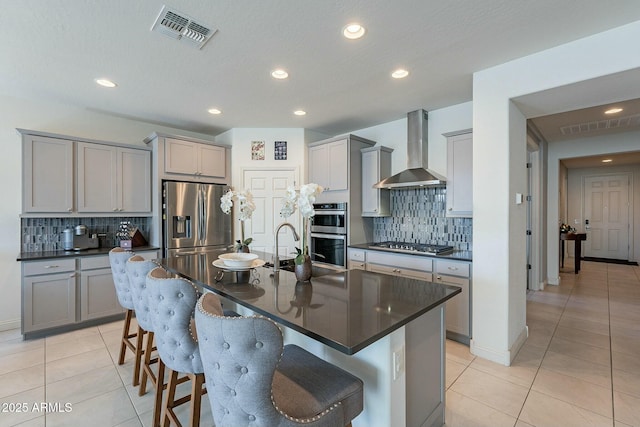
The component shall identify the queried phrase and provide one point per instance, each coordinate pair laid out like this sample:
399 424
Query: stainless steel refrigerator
192 219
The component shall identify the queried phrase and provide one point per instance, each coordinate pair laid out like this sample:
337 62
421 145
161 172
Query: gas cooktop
413 248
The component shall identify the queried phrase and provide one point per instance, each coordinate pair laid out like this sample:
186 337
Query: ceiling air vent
616 123
182 27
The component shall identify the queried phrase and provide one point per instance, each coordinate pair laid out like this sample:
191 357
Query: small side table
577 238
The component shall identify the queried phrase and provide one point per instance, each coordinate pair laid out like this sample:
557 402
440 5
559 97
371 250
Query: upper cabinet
329 165
376 165
67 176
113 179
187 158
460 175
47 174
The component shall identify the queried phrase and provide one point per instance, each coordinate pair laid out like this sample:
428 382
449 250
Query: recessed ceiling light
353 31
607 161
214 111
299 112
279 74
613 110
400 73
106 83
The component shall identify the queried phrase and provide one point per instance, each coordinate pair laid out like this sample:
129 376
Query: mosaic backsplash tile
419 216
45 234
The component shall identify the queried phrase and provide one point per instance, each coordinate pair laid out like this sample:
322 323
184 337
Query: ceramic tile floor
579 367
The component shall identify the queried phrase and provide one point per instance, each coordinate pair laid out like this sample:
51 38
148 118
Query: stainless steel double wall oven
329 234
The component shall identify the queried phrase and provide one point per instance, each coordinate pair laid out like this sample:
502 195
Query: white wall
240 140
499 302
54 118
394 135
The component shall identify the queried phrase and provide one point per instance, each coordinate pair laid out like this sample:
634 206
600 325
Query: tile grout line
545 353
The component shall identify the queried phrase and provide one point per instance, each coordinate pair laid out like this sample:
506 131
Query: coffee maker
75 239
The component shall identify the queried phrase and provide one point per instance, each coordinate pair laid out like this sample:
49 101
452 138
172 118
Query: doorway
269 187
606 216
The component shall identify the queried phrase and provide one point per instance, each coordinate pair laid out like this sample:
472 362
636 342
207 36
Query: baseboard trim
7 325
503 357
609 261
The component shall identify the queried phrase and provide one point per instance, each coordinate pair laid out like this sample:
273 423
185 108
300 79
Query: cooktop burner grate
413 247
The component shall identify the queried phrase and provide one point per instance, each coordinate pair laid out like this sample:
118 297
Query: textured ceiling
53 50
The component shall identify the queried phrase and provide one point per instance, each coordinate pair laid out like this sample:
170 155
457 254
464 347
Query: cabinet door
338 166
318 166
48 301
212 161
180 157
134 180
97 183
460 175
98 294
370 195
457 307
47 167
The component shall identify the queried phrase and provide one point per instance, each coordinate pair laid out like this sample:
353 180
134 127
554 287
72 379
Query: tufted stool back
172 301
240 355
137 269
118 259
253 380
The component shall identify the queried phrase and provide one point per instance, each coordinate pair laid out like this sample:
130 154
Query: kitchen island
388 331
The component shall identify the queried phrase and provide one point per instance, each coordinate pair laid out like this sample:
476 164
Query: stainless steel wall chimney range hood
416 175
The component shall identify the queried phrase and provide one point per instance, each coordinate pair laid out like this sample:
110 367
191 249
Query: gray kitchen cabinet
459 175
458 312
357 259
113 179
65 293
97 292
48 294
329 165
410 266
192 158
376 165
47 174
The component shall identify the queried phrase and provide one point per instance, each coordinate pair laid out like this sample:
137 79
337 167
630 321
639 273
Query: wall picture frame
280 150
257 150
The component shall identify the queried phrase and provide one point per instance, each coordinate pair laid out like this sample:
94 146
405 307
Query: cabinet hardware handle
115 209
51 266
439 277
69 209
450 209
453 268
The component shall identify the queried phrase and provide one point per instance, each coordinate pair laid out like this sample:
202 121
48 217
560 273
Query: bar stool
118 259
254 380
137 269
172 301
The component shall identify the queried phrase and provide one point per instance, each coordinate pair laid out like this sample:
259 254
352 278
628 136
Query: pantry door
606 208
268 187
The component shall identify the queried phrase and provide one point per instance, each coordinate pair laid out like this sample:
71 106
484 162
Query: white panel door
606 207
268 188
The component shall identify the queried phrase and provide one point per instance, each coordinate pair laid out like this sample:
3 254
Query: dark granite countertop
346 310
35 256
456 255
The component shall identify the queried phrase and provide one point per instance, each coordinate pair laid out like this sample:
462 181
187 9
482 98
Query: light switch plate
398 363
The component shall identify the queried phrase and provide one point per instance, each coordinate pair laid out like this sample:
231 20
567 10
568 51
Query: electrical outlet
398 363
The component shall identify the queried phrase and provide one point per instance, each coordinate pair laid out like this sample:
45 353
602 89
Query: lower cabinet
439 270
64 293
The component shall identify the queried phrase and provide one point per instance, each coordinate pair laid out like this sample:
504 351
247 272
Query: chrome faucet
276 260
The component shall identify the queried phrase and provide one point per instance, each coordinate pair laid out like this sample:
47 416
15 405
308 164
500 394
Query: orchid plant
246 206
303 201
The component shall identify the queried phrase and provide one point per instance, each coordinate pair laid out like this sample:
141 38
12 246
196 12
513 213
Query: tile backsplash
419 216
45 234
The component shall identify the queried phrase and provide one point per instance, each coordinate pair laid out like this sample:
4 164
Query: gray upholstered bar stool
137 269
172 302
254 380
118 259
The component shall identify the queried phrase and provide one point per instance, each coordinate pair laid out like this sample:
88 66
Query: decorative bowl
238 259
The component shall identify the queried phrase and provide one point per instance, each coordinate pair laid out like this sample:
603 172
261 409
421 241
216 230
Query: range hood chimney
416 175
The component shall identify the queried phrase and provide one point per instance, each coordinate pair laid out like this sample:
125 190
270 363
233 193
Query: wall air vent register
182 27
